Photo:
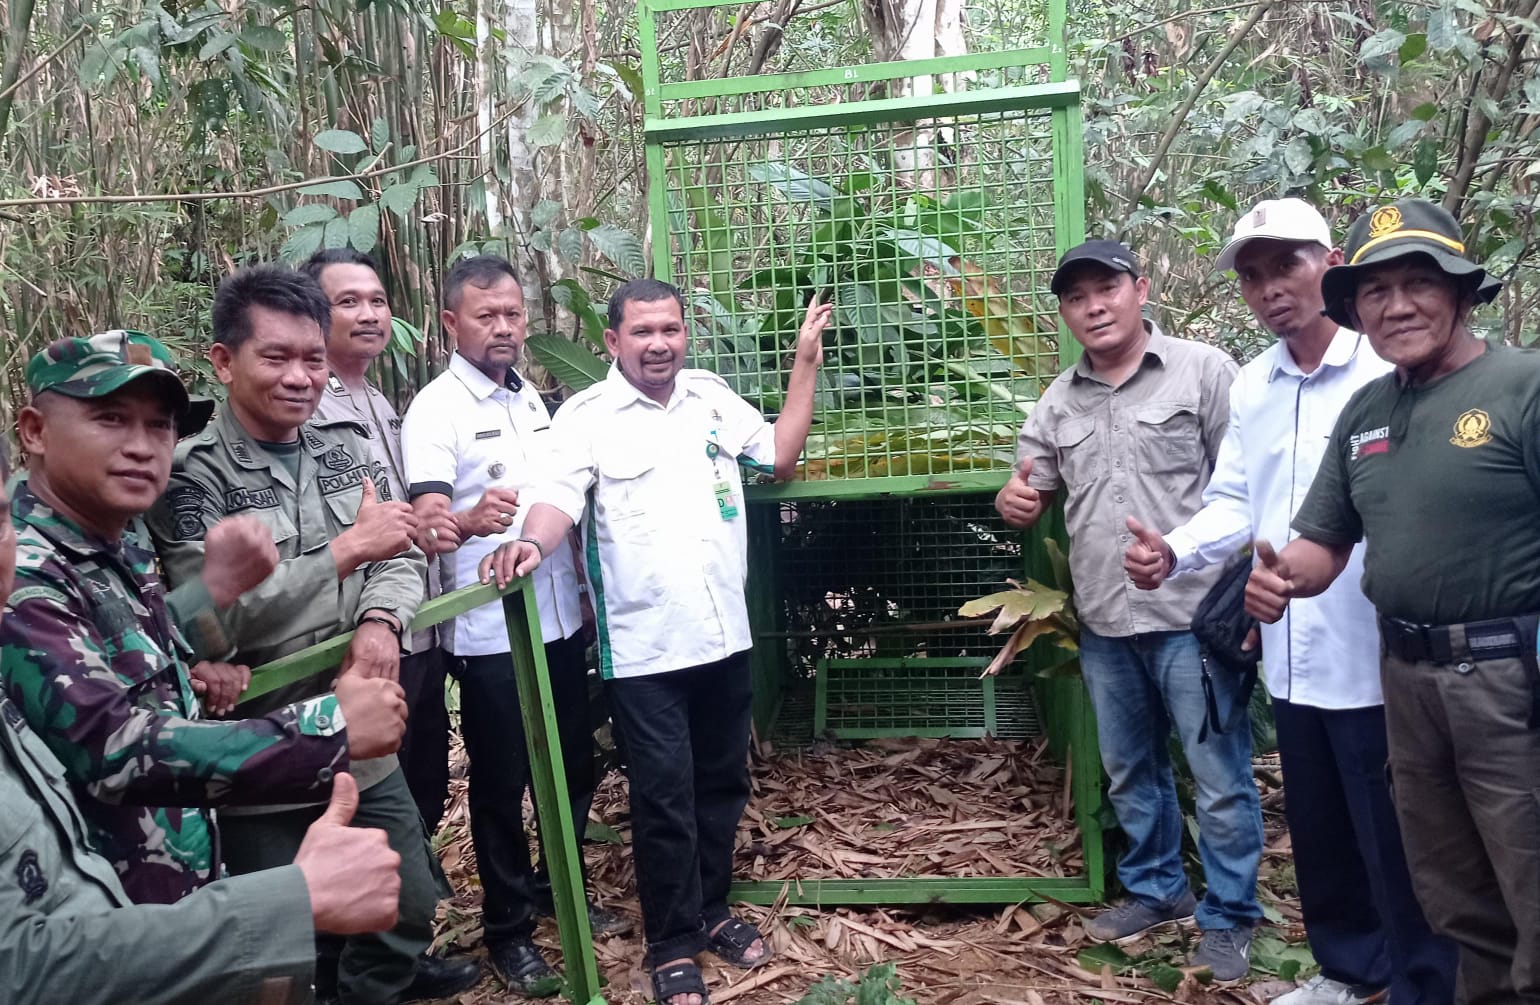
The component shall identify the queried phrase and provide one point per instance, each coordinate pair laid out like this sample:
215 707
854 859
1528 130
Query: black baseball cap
1112 255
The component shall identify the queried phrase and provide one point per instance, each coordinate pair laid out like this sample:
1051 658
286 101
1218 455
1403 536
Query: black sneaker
519 965
1226 952
437 977
600 920
1131 919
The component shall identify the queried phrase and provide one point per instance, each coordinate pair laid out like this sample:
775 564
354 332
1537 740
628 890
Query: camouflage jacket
90 653
71 935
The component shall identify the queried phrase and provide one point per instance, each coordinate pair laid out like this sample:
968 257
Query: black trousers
424 752
1362 918
499 774
685 736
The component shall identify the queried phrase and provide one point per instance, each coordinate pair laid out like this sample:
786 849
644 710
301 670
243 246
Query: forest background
146 149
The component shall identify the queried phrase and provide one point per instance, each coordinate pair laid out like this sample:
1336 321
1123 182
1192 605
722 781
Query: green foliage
880 985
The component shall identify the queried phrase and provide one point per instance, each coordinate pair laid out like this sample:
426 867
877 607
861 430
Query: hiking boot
1321 990
1132 918
441 977
1226 952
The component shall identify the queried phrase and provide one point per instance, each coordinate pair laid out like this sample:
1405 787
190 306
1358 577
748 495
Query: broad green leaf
302 243
342 188
1104 954
264 38
621 247
1425 161
308 213
1376 159
602 833
569 243
1403 134
1310 120
785 823
1414 46
336 235
399 198
1298 156
364 227
544 212
1424 112
379 133
1216 191
405 336
97 59
217 43
568 362
340 141
548 130
1443 29
796 185
1376 51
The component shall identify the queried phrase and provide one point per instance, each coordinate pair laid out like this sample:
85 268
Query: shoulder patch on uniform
48 593
185 498
29 876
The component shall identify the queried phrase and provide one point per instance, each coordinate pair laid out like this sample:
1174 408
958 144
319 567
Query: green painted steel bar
876 488
325 655
548 777
866 73
647 27
547 772
1069 203
918 890
784 120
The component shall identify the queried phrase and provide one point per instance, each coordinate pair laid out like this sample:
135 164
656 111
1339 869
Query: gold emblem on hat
1472 429
1386 220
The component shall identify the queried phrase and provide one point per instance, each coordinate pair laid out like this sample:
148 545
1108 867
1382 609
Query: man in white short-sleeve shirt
473 439
651 455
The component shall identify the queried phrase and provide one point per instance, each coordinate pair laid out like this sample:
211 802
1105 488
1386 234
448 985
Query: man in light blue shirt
1321 661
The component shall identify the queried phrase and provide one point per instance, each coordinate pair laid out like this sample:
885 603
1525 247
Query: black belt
1497 639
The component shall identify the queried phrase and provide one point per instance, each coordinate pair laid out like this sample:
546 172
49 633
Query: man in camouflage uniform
91 652
72 934
346 563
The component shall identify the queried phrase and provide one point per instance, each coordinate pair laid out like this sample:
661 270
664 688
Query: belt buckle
1410 640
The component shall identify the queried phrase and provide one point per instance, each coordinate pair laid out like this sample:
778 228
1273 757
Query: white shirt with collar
665 539
1325 651
462 435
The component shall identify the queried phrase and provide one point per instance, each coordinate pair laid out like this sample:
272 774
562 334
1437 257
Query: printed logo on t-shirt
1472 429
1370 441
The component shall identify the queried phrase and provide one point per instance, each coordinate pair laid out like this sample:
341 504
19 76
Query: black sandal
732 941
678 979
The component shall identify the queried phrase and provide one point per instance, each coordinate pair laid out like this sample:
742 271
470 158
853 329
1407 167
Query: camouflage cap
97 365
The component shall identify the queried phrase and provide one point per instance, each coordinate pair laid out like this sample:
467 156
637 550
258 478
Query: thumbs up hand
1019 504
1271 585
382 528
1148 560
353 876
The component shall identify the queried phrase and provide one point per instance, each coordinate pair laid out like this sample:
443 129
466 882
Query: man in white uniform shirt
650 454
473 439
1321 661
361 331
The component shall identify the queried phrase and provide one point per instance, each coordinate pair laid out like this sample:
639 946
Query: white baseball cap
1277 220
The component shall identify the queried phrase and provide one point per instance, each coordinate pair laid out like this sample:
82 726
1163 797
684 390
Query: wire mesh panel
863 699
935 240
883 578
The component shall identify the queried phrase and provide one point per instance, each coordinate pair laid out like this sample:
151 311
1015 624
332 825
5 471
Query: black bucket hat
1405 227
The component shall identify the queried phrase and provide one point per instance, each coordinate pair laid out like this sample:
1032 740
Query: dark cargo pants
1465 767
371 969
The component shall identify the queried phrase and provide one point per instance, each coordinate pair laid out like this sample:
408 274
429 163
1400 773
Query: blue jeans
1141 687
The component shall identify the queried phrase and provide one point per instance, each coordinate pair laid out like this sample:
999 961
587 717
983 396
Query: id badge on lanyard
727 497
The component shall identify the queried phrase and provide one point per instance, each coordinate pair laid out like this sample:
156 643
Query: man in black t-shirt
1437 467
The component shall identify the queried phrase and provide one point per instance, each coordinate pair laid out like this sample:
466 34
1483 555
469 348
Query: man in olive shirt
360 333
1135 426
346 563
1437 467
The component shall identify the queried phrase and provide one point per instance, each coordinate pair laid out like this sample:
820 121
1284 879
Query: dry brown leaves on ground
1009 955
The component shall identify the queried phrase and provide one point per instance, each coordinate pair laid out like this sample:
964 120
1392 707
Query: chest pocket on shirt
1080 458
623 486
1170 438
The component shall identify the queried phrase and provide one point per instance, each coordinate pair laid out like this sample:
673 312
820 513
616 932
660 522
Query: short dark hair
642 291
317 263
276 287
482 272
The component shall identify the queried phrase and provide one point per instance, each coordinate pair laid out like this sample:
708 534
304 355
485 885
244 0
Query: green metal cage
930 200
